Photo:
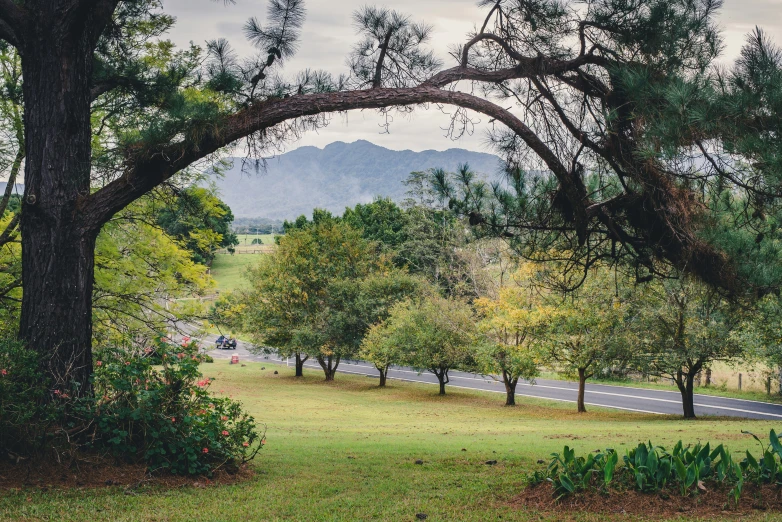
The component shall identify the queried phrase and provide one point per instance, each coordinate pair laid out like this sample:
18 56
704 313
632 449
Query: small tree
433 334
686 326
303 296
361 304
585 331
513 324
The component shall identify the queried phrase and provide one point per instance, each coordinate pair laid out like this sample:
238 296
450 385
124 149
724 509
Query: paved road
617 397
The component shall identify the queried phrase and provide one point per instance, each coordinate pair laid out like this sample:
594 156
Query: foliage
382 221
432 333
585 331
201 221
27 418
302 297
650 469
515 324
149 406
683 326
165 416
140 272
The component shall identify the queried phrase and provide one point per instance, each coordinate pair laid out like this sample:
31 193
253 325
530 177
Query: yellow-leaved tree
514 324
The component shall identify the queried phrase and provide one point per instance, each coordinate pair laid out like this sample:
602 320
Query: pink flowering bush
27 418
162 414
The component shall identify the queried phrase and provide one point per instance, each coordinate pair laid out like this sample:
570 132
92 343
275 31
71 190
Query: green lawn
346 451
228 270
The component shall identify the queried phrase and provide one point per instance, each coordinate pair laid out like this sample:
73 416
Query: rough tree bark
582 378
685 381
300 364
57 244
442 378
329 365
510 388
383 375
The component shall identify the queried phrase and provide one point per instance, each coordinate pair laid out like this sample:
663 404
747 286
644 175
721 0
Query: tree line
416 286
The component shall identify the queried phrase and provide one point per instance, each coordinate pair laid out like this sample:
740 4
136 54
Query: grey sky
328 36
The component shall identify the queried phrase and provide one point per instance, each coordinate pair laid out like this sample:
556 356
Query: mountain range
334 177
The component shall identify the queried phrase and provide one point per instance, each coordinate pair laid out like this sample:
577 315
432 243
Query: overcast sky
328 37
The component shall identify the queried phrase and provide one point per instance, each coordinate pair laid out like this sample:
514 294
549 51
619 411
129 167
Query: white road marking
590 391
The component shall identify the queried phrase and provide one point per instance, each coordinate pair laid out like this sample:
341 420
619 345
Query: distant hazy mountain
335 177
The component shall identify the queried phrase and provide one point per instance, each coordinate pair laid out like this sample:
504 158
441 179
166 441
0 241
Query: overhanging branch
150 167
13 22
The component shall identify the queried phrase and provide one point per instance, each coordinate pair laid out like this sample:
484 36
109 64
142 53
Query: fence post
739 382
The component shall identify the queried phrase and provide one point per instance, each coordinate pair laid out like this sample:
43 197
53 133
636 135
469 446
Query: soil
104 472
666 504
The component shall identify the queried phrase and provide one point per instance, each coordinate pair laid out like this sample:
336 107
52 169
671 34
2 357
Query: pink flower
98 363
173 419
127 363
225 433
263 441
57 392
180 355
205 450
245 444
3 372
224 418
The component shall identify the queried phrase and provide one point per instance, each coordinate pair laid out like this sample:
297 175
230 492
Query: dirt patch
666 504
104 472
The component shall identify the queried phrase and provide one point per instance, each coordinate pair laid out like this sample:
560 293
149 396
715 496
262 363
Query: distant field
228 270
247 239
347 450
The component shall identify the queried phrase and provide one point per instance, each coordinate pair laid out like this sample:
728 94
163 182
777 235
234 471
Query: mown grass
347 450
228 270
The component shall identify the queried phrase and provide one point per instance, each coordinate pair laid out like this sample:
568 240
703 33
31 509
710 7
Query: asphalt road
618 397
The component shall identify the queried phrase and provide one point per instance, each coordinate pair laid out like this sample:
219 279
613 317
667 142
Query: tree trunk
300 364
57 246
383 374
442 378
510 389
685 383
329 365
582 378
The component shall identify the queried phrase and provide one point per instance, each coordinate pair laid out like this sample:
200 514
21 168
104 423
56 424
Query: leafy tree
586 331
382 221
620 90
201 221
515 324
760 334
686 326
305 298
433 334
140 272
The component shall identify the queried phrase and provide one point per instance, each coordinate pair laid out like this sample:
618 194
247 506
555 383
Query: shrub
648 468
164 415
27 418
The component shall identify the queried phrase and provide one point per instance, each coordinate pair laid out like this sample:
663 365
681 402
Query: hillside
337 176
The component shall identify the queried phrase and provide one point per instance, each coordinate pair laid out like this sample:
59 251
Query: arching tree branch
13 21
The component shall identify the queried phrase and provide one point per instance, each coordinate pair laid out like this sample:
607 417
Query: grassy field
346 451
228 270
247 239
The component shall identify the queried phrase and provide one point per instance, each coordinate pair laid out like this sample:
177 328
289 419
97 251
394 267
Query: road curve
640 400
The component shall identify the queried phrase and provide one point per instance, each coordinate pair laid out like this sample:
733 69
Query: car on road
225 343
